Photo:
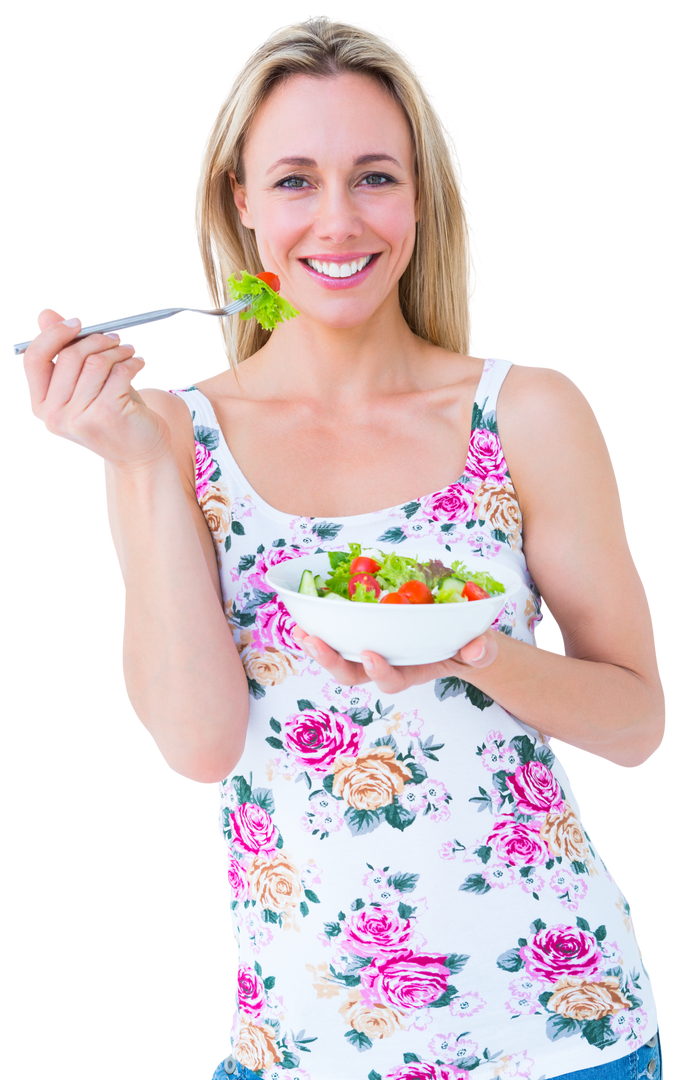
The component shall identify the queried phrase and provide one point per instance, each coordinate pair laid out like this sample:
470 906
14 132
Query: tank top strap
202 414
491 380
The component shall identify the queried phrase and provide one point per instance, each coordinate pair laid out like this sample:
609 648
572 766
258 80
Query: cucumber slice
336 596
451 585
320 585
307 584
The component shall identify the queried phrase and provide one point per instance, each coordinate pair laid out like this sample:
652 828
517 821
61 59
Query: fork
146 317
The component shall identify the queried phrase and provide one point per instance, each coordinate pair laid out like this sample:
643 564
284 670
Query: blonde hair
434 288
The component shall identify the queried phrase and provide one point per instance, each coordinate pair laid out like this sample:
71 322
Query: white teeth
339 270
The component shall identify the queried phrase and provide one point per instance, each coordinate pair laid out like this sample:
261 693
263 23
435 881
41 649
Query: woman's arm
183 673
604 695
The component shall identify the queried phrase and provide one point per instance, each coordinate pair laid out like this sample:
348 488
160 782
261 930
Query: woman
386 928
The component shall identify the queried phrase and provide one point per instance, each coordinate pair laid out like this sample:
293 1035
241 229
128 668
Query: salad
396 579
268 307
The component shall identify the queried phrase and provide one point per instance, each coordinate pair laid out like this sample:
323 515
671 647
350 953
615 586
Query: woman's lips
340 283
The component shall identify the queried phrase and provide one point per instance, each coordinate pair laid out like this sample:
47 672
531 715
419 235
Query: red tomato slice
416 592
270 279
394 598
363 565
367 580
474 592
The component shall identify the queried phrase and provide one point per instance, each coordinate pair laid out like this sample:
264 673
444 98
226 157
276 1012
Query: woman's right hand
83 391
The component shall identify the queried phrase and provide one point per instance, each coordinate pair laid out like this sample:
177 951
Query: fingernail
71 322
113 336
480 655
368 663
311 649
127 346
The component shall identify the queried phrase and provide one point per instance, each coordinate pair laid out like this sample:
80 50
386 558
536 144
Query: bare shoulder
177 416
549 433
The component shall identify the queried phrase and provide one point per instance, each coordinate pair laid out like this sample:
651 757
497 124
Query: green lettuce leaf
268 307
396 570
482 578
364 595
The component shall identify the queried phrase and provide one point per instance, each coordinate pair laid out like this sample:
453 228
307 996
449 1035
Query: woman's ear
240 200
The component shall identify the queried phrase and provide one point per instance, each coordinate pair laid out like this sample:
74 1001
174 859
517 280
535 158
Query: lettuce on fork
268 307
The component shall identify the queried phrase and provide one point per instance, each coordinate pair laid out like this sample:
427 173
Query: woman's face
331 194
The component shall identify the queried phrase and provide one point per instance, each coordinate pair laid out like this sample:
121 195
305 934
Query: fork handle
116 324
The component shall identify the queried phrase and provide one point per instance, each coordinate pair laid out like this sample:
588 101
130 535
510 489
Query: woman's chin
346 314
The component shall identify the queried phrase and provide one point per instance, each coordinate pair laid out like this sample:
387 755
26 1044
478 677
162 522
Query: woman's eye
377 180
292 183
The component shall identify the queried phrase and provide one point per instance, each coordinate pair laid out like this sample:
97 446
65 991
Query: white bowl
402 634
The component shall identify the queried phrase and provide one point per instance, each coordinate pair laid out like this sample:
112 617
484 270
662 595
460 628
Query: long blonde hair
434 288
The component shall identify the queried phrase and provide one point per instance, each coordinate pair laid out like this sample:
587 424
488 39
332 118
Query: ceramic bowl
402 634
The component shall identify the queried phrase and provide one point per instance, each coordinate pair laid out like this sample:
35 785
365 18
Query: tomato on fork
272 280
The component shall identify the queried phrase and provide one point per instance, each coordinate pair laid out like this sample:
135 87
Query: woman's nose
337 218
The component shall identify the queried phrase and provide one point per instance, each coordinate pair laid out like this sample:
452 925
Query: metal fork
146 317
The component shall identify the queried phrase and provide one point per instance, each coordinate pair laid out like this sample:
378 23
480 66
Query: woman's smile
340 271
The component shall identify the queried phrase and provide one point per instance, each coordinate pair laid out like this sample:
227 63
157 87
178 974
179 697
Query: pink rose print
423 1070
534 788
265 560
205 465
485 455
561 950
237 879
407 980
316 738
274 627
375 931
251 993
517 843
253 829
455 503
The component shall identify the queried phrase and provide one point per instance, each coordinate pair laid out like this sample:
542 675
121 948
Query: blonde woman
387 929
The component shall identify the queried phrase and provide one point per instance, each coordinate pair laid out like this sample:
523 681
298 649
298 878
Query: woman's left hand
479 653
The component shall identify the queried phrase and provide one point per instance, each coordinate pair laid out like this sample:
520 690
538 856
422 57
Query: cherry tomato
363 565
474 592
270 279
367 580
416 592
394 598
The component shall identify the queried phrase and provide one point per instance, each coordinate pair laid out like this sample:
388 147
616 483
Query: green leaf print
242 789
207 436
545 755
452 687
303 908
358 904
269 982
484 853
238 528
600 933
409 1058
419 773
288 1061
410 509
361 822
477 417
280 543
328 784
579 867
277 744
264 797
484 800
545 997
403 882
404 910
537 925
398 817
475 883
392 536
256 689
363 716
599 1032
270 916
276 725
583 924
561 1027
372 1075
327 530
455 962
524 748
359 1039
444 999
310 895
303 704
511 960
499 536
227 543
246 563
332 929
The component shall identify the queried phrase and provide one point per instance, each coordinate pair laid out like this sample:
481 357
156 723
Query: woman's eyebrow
310 163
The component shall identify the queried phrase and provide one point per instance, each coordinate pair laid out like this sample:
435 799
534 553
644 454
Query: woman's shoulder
548 432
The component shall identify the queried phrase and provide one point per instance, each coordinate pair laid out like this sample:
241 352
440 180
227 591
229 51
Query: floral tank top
412 891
